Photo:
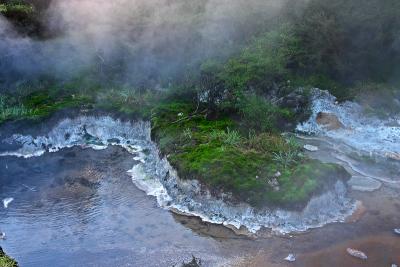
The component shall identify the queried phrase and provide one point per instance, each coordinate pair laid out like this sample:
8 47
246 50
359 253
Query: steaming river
92 191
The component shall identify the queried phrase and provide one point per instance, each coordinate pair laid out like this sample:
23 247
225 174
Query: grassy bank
6 261
257 168
240 153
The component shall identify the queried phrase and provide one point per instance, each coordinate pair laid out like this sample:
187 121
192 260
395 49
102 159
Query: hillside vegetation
219 119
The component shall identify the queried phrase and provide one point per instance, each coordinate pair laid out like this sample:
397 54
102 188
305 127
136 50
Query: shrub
263 62
261 115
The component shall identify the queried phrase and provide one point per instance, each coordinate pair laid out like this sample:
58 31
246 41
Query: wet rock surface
364 184
329 121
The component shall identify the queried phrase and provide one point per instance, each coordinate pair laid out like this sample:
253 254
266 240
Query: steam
137 41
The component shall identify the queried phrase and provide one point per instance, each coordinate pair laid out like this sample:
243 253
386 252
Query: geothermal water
155 176
364 133
368 147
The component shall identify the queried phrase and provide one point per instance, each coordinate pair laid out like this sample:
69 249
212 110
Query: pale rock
364 184
311 148
357 254
290 258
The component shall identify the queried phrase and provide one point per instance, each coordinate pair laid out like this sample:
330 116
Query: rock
397 231
273 182
7 201
329 121
290 258
296 101
364 184
311 148
357 254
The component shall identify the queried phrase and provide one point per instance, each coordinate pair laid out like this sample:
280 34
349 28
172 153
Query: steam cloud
144 41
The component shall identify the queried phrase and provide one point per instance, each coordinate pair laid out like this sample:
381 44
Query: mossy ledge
262 169
228 157
6 261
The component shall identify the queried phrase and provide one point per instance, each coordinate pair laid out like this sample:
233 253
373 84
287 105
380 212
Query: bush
261 115
264 62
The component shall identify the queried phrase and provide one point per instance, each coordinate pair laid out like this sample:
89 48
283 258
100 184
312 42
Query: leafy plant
286 158
228 137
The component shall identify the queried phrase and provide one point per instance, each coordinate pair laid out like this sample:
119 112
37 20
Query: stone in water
7 201
290 258
311 148
357 254
329 121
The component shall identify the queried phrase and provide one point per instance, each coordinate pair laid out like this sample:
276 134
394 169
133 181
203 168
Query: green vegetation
260 168
37 104
16 7
6 261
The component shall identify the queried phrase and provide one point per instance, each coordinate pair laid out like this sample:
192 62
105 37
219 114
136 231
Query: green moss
38 104
6 261
45 102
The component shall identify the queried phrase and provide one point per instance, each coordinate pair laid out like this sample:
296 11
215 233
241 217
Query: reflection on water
79 207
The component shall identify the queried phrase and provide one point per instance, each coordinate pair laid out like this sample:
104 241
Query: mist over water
144 42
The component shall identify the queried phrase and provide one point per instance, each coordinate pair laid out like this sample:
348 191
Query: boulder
297 101
311 148
329 121
357 254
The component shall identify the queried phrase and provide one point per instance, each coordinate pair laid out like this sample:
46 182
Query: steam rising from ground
142 41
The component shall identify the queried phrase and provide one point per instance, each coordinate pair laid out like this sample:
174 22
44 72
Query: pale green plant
228 137
187 133
286 158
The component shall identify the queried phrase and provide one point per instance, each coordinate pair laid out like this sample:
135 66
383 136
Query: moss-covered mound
260 169
6 261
